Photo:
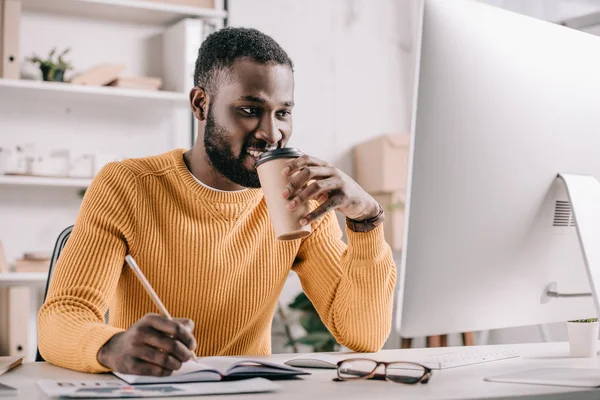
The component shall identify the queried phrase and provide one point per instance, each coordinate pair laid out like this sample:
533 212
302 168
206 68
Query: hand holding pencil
155 345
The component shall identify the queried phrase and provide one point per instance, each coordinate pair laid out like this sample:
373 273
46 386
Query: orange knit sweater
212 257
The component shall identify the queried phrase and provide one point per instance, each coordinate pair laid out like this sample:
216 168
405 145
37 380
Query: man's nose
268 131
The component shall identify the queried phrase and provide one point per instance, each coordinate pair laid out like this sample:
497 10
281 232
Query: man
197 224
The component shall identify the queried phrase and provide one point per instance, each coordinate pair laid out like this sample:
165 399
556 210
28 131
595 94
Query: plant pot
50 74
583 338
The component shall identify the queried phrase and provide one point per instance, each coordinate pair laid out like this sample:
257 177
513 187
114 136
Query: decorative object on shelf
82 166
4 158
53 70
317 334
54 163
99 75
583 337
18 160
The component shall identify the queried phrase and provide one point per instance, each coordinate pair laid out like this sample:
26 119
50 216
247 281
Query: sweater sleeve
71 327
351 287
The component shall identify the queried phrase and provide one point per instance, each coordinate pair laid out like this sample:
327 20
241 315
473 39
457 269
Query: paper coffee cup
286 222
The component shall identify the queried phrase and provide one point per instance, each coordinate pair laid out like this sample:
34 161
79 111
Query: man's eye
283 114
249 110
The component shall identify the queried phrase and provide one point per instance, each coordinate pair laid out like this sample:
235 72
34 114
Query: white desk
36 282
459 383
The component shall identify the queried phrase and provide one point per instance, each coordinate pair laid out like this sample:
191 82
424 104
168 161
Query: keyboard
465 357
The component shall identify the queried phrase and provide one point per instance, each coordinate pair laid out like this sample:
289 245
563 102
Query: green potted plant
53 68
583 337
317 334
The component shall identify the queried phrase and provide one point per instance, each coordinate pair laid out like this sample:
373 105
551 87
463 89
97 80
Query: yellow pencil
140 275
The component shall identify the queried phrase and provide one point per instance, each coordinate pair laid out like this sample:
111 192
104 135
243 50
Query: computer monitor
503 103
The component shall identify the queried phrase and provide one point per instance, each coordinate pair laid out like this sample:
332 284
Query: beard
218 148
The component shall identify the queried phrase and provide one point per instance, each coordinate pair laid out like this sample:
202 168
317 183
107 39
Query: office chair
58 247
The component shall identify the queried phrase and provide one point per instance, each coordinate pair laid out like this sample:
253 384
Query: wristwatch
367 224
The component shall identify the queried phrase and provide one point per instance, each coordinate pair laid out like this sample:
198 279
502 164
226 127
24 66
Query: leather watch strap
366 225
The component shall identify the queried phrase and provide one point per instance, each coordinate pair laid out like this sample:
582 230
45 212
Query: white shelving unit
16 180
107 121
138 11
66 92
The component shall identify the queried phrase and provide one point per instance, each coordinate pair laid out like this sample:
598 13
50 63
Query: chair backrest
58 247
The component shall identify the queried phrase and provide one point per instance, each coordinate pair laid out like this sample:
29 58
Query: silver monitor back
503 104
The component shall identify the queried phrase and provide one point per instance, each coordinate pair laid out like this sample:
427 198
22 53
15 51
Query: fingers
298 181
330 204
172 329
137 366
154 356
316 190
298 163
188 323
173 347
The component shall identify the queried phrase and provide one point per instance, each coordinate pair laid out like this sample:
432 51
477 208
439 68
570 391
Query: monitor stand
584 195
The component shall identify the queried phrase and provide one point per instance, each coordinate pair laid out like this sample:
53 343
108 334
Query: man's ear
199 101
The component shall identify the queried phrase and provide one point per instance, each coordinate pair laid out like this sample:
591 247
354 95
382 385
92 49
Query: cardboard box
393 225
381 164
189 3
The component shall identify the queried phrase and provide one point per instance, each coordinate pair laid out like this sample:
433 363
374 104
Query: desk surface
459 383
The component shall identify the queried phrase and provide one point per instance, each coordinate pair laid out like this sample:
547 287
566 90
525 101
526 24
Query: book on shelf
189 3
24 265
209 369
137 82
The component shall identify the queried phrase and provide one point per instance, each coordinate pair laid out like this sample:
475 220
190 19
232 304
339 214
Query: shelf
14 279
16 180
137 11
56 91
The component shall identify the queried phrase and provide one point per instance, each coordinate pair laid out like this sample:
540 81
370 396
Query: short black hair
221 49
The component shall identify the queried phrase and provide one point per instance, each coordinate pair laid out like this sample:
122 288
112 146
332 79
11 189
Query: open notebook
218 368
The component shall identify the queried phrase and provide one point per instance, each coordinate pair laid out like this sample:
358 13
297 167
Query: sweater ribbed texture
210 256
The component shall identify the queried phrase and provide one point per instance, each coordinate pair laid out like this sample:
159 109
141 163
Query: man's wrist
103 355
366 224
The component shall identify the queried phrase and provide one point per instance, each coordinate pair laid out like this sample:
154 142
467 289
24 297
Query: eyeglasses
397 372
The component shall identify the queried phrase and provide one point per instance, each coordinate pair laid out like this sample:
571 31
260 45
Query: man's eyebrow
260 100
254 99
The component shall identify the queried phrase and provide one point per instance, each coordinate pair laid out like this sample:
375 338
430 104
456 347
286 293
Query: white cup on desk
583 337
